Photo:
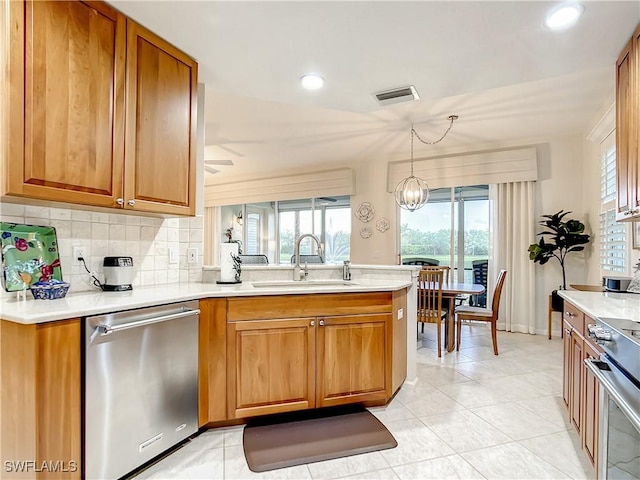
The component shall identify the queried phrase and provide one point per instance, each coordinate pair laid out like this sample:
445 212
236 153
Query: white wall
559 187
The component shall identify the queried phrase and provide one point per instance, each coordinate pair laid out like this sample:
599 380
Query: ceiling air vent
397 95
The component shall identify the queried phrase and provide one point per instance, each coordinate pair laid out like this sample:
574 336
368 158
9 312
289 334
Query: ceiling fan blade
218 162
211 170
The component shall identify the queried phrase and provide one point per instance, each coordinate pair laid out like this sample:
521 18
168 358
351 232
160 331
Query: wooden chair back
446 270
430 295
497 293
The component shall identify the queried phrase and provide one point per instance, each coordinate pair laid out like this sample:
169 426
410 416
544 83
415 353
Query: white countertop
83 304
605 304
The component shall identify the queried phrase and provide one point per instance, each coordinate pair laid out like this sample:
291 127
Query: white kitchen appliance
118 274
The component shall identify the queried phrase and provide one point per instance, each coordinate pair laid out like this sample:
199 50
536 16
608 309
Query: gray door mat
296 438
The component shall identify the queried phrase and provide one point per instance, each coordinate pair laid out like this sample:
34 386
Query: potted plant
559 238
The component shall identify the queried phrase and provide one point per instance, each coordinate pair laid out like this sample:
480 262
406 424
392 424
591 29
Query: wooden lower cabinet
566 364
271 366
590 408
308 357
580 389
575 406
212 361
40 400
352 359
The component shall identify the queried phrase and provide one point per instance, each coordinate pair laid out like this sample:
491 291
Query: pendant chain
451 118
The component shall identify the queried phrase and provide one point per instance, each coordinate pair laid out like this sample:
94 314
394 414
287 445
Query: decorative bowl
49 290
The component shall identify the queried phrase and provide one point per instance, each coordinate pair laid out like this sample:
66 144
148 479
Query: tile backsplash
148 240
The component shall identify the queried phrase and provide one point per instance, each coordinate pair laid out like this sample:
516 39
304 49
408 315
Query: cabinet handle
313 322
322 323
570 315
567 331
120 201
131 203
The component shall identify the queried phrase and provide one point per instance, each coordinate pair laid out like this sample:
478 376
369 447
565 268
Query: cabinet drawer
312 305
574 317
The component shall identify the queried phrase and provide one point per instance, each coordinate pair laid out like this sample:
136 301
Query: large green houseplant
559 238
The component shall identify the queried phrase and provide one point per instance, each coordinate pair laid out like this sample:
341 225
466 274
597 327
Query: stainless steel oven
618 372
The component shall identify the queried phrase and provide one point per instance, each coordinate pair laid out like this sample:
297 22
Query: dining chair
430 309
480 273
308 259
465 312
420 261
254 259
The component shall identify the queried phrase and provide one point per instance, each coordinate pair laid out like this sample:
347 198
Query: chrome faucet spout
297 274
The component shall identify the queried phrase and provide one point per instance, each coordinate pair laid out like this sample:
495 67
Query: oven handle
606 384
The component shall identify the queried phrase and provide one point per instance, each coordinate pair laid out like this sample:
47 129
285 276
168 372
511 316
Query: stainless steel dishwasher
141 386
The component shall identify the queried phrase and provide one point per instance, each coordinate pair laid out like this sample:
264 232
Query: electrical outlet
78 251
173 255
400 313
192 255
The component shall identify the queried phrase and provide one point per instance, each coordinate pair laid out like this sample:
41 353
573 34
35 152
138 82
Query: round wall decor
365 232
365 212
382 225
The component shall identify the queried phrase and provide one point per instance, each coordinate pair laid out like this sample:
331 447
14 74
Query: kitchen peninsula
363 322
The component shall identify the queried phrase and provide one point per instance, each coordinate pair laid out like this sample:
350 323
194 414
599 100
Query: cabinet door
212 361
566 364
590 408
352 359
270 366
577 367
635 127
623 131
66 102
161 125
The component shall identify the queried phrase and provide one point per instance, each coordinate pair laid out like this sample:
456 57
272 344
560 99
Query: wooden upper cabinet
100 110
66 74
627 130
161 125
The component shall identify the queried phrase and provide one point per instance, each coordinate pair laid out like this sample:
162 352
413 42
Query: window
612 233
451 229
271 228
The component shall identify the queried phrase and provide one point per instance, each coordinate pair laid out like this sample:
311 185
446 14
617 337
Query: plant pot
557 302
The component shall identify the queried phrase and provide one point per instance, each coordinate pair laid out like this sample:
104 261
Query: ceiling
492 63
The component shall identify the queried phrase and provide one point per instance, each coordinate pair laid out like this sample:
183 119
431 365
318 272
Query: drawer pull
312 323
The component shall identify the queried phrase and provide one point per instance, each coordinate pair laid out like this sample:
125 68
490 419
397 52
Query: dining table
450 290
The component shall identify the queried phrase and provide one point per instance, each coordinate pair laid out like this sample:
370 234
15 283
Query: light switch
400 313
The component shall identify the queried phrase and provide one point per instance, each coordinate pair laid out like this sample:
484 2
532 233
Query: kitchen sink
302 283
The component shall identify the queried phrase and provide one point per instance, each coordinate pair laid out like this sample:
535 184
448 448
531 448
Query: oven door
619 424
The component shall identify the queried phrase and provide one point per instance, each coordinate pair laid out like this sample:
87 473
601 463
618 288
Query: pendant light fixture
413 192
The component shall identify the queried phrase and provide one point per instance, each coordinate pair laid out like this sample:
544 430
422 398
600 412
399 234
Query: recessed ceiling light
564 15
312 81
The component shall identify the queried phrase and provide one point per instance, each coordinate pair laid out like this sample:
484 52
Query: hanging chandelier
413 192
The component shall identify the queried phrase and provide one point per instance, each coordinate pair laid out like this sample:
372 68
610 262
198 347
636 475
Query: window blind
613 235
612 242
608 175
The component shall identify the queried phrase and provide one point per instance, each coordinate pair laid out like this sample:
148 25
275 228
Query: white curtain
513 230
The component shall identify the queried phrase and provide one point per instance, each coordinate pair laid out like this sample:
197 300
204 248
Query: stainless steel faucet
346 272
297 274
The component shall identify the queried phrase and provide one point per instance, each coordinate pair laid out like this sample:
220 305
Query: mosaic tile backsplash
148 240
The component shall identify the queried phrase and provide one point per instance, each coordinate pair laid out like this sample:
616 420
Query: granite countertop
605 304
82 304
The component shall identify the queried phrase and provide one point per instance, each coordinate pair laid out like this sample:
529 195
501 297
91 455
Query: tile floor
469 415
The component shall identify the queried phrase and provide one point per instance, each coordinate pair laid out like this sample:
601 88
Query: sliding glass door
451 229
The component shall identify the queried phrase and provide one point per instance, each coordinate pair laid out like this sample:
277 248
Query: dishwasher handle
109 329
